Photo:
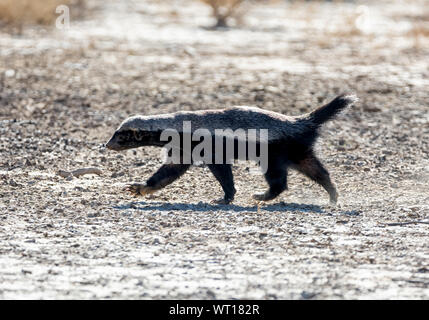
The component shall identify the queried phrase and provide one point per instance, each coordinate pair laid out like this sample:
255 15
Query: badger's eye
137 135
123 137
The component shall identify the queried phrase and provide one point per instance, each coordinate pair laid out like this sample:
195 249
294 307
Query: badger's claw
138 189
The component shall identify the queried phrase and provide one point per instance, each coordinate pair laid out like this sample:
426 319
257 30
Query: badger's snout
113 143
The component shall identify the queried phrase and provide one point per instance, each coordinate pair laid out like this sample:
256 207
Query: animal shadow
207 207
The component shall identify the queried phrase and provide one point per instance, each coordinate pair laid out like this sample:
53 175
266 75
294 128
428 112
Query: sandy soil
63 93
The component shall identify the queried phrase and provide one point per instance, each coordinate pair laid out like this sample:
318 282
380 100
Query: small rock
9 73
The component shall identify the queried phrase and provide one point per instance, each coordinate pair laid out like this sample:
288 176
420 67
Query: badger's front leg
165 175
223 174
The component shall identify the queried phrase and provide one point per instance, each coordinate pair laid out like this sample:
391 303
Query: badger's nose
112 144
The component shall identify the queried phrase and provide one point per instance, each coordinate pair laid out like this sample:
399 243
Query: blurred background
164 46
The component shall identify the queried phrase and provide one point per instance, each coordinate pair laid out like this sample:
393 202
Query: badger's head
130 134
141 131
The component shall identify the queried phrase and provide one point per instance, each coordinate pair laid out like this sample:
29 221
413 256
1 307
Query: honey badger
290 144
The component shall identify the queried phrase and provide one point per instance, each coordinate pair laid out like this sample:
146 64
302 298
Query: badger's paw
221 201
265 196
138 189
260 196
333 198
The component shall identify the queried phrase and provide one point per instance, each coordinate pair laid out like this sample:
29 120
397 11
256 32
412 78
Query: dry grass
419 30
224 10
420 34
351 24
21 12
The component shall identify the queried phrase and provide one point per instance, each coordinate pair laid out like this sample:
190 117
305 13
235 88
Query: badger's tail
330 110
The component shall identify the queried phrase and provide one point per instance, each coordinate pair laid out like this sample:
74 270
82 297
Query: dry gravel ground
63 93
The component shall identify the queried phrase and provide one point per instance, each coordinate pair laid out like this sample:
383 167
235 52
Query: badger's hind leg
165 175
223 174
313 168
276 177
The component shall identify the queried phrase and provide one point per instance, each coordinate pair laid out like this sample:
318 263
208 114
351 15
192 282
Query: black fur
293 150
330 110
